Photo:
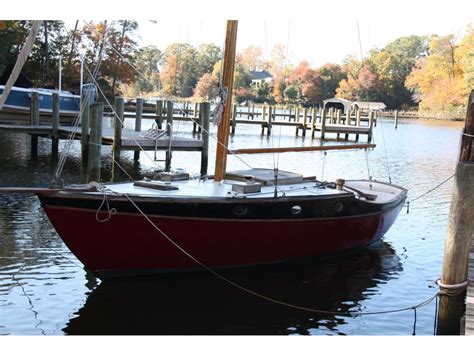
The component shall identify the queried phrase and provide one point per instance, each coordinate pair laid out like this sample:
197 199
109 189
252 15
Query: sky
316 31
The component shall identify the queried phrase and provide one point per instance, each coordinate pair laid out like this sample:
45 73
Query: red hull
128 243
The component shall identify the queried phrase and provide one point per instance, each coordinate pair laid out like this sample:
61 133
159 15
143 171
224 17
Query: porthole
296 210
339 206
240 210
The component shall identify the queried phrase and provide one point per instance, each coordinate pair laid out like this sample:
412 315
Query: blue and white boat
19 100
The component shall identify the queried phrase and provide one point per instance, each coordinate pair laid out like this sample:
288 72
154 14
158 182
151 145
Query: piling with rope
458 235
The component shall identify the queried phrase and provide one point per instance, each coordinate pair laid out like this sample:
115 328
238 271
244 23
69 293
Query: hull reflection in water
202 304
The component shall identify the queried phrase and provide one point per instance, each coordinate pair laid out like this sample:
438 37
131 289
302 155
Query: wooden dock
302 119
469 316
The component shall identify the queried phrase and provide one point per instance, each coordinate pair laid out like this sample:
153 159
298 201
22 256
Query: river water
44 289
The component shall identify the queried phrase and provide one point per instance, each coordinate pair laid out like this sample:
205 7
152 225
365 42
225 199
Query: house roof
337 99
370 105
260 75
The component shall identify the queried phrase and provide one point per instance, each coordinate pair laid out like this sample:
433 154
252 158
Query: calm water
44 289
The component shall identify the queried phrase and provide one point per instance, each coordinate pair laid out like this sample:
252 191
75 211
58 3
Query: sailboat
233 219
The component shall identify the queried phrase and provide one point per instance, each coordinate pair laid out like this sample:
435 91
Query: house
259 77
369 106
338 104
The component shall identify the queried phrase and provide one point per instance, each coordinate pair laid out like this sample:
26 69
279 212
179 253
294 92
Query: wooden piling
357 122
395 116
55 119
460 229
297 119
34 120
95 143
331 115
159 114
169 128
271 110
264 113
338 119
118 121
234 119
371 127
205 113
85 115
305 118
138 124
323 123
348 122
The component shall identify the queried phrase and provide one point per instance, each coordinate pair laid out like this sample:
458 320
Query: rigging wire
368 109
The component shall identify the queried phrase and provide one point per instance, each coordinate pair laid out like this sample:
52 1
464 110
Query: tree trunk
46 52
119 57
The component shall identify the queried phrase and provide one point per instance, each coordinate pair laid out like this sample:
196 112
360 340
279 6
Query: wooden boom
300 149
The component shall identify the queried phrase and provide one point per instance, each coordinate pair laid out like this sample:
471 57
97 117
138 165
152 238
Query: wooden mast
227 82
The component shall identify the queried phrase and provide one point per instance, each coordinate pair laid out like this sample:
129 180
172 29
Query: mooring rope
427 192
264 297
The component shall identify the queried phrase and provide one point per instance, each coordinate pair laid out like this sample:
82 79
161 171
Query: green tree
146 60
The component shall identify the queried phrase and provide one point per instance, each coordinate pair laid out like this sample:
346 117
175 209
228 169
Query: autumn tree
252 58
438 78
206 87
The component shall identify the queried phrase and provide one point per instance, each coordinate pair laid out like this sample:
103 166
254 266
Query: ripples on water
45 290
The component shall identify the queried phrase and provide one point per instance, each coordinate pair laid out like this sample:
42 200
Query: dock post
305 118
323 123
95 143
55 118
297 119
234 119
271 110
34 121
348 122
357 113
371 127
264 113
159 114
459 233
313 122
169 133
338 120
204 113
395 119
85 114
118 121
138 124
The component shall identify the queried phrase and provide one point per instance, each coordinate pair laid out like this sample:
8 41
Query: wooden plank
301 149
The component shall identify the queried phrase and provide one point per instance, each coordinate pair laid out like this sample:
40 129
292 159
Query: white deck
211 189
